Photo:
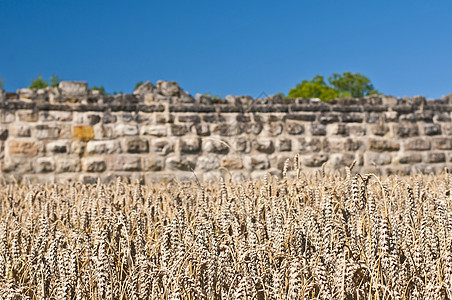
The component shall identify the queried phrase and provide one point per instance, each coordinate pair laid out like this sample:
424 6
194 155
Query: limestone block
83 133
432 129
125 130
242 144
73 89
406 130
294 128
417 144
18 165
378 159
318 129
264 145
314 160
162 146
232 162
356 130
144 88
252 128
124 163
379 129
178 130
380 145
3 133
208 162
52 116
337 129
59 146
329 118
410 158
20 130
273 129
45 164
93 164
202 129
154 130
168 88
442 143
153 164
189 119
309 144
216 146
45 132
137 145
435 157
7 116
190 145
182 163
67 164
285 145
26 94
339 160
103 147
25 148
27 116
257 162
226 129
78 147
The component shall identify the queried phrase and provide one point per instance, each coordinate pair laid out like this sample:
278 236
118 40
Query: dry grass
325 236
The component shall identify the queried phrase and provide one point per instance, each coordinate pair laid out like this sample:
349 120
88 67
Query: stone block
432 129
435 157
356 130
329 118
162 146
314 160
45 165
24 148
67 164
124 163
181 163
257 162
273 129
7 116
285 145
208 162
294 128
242 145
154 130
232 163
379 129
239 176
337 129
190 145
442 143
17 165
3 133
28 116
318 129
137 145
189 119
340 160
264 146
406 130
57 147
216 146
73 89
378 159
410 158
381 145
52 116
178 130
45 132
125 130
352 118
226 129
20 130
84 133
417 144
213 118
153 164
103 147
168 88
93 164
252 128
307 144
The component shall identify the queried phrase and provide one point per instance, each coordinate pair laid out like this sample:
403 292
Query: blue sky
229 47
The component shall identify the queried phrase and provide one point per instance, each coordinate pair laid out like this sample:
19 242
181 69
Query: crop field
320 235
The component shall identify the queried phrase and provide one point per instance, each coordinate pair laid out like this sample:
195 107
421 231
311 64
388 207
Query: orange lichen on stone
84 133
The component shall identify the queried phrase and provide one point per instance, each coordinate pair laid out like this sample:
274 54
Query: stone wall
160 131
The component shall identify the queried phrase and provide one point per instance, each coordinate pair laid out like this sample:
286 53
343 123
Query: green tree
316 88
38 83
2 82
352 85
54 80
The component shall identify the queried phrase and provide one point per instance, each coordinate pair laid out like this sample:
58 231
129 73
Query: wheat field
303 236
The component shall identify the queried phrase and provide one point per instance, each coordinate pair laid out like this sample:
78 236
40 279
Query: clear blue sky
229 47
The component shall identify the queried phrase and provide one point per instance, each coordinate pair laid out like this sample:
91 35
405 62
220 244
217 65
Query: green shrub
138 84
54 80
2 82
38 83
101 89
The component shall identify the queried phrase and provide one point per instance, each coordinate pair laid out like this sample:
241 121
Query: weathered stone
168 88
212 118
242 145
145 88
181 163
318 129
3 133
405 130
352 144
243 118
442 143
257 162
202 129
17 165
306 145
124 163
417 144
435 157
93 119
52 116
232 163
208 162
45 164
252 128
154 130
411 158
441 117
337 129
383 145
378 159
228 129
285 145
153 164
20 130
190 145
44 132
67 164
294 128
274 129
109 118
93 164
103 147
137 145
352 118
179 130
356 130
338 160
60 146
125 130
216 146
301 117
6 116
161 146
28 116
84 133
73 89
379 129
432 129
328 118
189 119
264 146
315 160
26 148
